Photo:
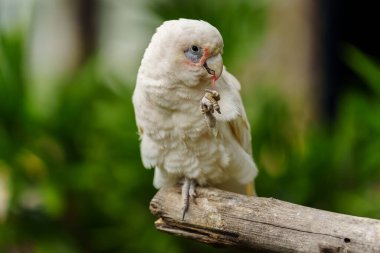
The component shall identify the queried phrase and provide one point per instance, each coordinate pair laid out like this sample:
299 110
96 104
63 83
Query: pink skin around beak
213 65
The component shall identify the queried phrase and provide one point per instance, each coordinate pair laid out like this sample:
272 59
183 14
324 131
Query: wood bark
259 224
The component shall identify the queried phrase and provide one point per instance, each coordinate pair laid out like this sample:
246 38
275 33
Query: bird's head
187 50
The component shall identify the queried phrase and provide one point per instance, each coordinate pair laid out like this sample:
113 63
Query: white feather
175 138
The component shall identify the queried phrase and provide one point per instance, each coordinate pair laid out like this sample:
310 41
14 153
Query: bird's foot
209 104
188 193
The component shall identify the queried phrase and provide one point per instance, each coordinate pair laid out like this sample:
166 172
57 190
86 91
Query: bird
182 59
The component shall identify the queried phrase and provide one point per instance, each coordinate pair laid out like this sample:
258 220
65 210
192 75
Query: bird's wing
236 131
149 153
233 110
151 156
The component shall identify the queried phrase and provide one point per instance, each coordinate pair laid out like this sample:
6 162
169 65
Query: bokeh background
71 179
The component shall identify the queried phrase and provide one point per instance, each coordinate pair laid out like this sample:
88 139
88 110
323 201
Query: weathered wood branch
262 224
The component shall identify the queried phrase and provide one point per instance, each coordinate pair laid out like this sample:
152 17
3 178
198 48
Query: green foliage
334 168
75 179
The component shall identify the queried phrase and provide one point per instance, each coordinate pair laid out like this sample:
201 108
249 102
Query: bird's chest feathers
177 112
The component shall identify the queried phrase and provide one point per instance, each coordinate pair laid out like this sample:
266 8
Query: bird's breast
175 111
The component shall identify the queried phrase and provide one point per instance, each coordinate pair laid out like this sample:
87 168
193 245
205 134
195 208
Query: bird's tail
233 186
250 189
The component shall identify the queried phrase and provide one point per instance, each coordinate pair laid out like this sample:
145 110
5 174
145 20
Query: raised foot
209 104
188 192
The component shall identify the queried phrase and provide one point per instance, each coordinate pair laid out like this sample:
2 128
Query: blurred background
71 179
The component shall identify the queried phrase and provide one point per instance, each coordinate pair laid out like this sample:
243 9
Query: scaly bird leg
209 103
188 192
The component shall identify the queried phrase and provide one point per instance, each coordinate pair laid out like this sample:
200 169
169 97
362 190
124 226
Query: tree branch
262 224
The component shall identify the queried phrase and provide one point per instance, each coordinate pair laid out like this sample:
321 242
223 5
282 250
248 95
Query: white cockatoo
176 138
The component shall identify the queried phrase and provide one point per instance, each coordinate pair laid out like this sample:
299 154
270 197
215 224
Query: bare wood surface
262 224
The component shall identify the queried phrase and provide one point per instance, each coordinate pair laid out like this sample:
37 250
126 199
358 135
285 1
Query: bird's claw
209 104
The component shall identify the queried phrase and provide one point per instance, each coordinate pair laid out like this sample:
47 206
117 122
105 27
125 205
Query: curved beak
214 65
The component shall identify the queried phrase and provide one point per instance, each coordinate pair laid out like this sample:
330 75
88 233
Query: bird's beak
214 65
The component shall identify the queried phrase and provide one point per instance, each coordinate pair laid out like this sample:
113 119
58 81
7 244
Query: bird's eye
194 53
194 48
